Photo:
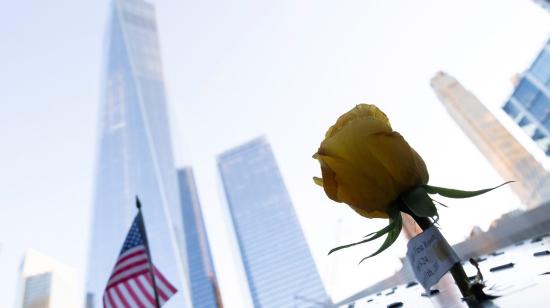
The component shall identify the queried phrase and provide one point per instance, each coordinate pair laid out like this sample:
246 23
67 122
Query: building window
546 123
524 122
525 93
511 110
540 107
541 67
538 135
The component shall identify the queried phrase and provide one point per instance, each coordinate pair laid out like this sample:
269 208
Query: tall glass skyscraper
510 159
278 264
204 285
135 155
529 104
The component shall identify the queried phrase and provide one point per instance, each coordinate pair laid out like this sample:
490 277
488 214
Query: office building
47 283
529 104
279 268
202 276
135 156
510 159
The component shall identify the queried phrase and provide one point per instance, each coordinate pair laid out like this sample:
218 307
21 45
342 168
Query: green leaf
455 193
393 212
420 203
392 229
371 237
392 235
439 203
384 230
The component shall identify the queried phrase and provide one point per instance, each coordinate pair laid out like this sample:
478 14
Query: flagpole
142 226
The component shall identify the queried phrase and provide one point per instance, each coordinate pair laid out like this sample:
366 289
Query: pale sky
238 69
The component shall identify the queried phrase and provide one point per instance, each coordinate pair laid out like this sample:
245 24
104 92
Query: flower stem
457 271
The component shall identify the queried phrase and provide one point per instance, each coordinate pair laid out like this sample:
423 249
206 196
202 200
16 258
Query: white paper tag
430 256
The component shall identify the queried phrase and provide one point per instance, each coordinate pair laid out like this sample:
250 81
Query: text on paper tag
430 256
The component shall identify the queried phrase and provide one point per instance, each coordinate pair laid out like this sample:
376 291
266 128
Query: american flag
131 283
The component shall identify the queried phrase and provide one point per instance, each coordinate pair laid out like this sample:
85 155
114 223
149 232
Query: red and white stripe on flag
130 284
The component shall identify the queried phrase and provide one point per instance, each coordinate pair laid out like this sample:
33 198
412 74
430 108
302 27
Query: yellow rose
367 165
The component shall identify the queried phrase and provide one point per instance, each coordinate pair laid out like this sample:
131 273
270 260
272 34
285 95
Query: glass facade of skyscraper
509 158
529 104
204 285
135 155
278 264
